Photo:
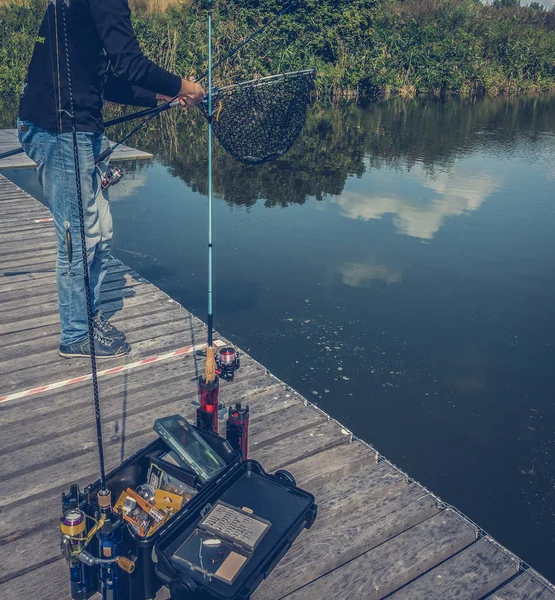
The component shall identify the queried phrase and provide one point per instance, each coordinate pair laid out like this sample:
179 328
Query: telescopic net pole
210 312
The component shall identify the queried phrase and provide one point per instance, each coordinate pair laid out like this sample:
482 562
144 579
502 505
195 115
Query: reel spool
227 362
110 177
73 542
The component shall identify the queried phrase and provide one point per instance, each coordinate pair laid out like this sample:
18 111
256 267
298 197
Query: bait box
271 498
143 583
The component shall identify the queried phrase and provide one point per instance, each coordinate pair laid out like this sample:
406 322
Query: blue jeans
53 154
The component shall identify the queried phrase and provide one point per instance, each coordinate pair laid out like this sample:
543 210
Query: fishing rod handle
103 156
141 113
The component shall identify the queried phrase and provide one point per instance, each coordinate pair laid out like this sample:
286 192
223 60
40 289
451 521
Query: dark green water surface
397 268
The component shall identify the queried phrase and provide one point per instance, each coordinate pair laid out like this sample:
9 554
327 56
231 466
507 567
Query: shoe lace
102 323
101 338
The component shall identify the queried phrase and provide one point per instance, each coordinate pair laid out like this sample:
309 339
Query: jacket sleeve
118 89
112 19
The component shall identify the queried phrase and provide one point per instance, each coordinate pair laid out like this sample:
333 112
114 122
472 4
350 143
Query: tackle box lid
223 548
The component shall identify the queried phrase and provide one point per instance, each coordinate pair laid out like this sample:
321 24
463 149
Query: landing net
258 121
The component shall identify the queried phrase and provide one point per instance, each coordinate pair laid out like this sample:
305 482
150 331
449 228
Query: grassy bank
359 47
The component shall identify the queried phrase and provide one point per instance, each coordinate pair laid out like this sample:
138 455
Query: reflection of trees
342 141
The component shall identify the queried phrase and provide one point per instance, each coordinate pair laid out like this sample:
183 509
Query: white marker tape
122 368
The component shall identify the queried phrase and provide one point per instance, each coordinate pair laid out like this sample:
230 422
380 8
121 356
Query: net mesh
258 121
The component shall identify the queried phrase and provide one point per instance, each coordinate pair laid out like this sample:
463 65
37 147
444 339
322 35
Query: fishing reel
227 362
88 572
110 177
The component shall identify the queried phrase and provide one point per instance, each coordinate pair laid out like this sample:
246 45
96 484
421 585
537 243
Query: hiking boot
104 347
106 329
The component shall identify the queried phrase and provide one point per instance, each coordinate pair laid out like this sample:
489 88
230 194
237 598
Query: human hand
191 93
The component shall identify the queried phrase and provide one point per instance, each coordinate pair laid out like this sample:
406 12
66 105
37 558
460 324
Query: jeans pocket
31 139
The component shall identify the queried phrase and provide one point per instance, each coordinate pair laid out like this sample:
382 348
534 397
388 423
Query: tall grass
359 47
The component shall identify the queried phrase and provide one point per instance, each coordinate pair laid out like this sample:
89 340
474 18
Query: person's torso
67 33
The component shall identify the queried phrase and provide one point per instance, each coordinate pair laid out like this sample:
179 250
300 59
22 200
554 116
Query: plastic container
271 498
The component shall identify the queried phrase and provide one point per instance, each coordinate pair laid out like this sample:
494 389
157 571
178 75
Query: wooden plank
131 319
283 452
47 294
75 456
379 572
29 354
469 575
346 528
58 369
525 586
324 468
51 308
54 404
48 582
31 460
22 324
20 248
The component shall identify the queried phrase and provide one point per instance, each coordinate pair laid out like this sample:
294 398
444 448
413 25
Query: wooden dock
9 141
378 534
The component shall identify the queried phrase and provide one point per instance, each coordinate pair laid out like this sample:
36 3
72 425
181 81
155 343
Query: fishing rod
207 413
104 494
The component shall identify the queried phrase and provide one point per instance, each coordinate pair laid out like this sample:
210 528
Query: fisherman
105 63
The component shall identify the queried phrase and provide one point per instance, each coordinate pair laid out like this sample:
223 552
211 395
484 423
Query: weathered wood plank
43 289
346 528
51 318
46 294
48 582
381 571
280 454
324 468
143 343
129 295
524 587
467 576
47 245
30 461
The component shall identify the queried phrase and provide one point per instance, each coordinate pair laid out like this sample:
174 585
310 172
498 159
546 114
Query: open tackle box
230 528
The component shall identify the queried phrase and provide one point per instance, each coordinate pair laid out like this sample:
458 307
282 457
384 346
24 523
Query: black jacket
105 59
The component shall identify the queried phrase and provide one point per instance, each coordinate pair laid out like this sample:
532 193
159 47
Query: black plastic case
143 583
273 498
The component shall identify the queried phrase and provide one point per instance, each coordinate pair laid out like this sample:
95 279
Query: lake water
397 268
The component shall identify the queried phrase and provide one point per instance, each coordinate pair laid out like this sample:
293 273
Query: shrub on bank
359 47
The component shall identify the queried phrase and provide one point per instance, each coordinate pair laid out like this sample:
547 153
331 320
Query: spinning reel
110 177
227 362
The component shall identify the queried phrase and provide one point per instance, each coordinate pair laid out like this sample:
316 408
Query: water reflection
424 138
363 274
421 207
